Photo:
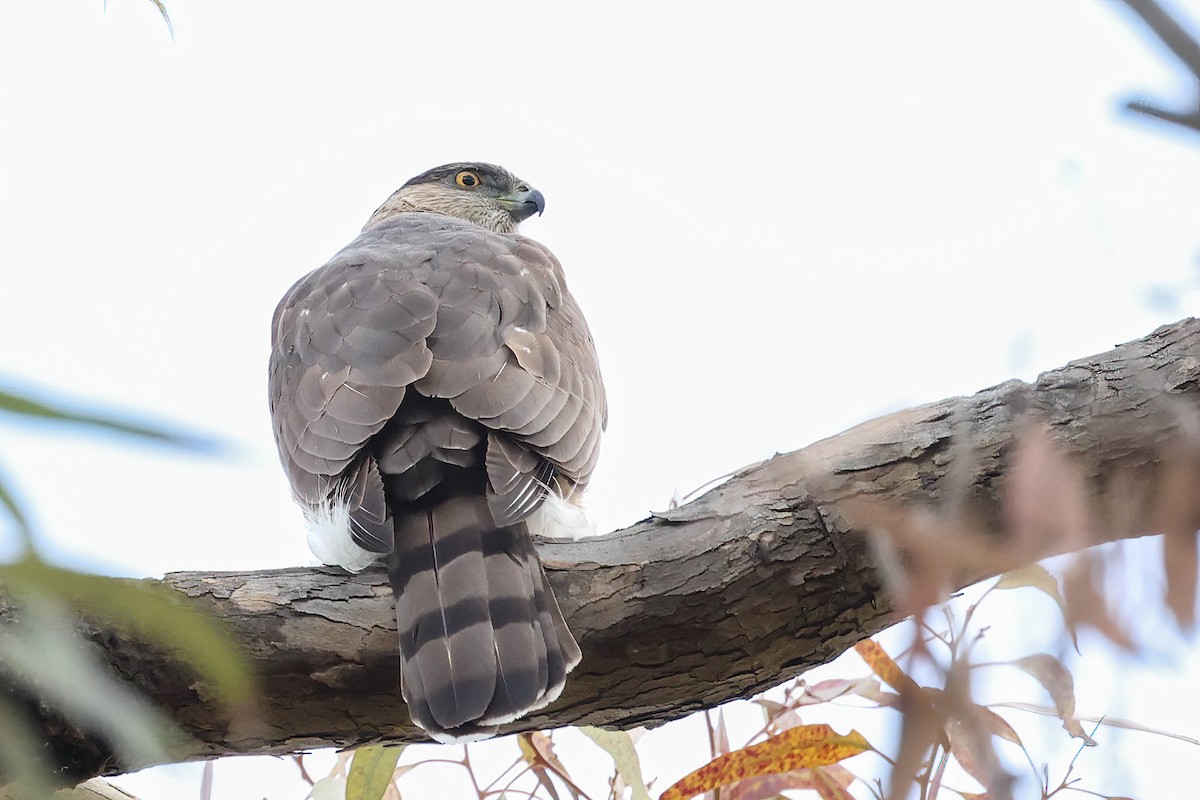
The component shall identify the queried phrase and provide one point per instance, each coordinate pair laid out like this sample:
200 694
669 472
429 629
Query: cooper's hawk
436 398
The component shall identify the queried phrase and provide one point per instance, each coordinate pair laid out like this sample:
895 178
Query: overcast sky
780 222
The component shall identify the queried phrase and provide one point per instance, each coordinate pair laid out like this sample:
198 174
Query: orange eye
467 179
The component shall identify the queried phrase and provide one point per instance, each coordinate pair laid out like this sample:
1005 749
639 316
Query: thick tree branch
749 585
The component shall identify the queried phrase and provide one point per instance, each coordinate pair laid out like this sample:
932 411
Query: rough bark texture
746 587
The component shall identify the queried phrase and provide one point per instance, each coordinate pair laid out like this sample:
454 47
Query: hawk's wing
431 303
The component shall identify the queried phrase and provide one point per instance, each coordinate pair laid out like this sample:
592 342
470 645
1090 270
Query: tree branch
1184 46
756 581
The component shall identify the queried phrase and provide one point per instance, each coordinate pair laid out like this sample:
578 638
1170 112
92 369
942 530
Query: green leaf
10 504
28 407
21 755
150 609
371 771
619 745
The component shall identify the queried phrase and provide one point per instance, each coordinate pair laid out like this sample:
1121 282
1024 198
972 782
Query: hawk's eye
467 179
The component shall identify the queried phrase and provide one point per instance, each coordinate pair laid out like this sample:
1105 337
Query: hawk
436 399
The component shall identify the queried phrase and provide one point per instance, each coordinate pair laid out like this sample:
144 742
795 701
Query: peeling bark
751 584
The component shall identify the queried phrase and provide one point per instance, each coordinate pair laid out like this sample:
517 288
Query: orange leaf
887 669
796 748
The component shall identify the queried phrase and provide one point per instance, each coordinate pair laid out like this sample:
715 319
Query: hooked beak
523 204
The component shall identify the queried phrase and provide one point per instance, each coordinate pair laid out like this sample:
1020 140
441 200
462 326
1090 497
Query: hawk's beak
523 204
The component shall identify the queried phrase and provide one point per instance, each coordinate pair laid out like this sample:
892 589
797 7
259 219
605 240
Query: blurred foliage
946 735
43 657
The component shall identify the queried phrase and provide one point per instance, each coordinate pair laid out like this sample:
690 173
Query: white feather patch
557 518
329 537
449 737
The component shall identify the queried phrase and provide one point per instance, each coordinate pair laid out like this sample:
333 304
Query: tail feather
440 569
482 640
547 663
520 658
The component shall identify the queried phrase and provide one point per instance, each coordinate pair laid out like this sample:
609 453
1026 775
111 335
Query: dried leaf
1180 555
1114 722
722 734
833 782
372 771
778 716
1086 604
763 787
545 748
824 691
1177 515
1044 503
962 747
619 745
920 728
917 553
537 763
1057 680
828 782
1035 576
537 749
805 746
996 725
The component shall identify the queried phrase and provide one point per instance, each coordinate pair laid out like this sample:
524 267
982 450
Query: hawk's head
487 195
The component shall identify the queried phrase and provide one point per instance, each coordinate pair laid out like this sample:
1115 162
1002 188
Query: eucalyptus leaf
10 504
150 609
371 771
619 745
23 405
21 759
50 661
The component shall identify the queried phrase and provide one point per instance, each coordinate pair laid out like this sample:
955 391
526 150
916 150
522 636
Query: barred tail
482 639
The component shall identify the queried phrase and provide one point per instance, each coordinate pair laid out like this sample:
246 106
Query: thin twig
1184 46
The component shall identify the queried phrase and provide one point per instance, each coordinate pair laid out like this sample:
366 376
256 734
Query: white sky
780 222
